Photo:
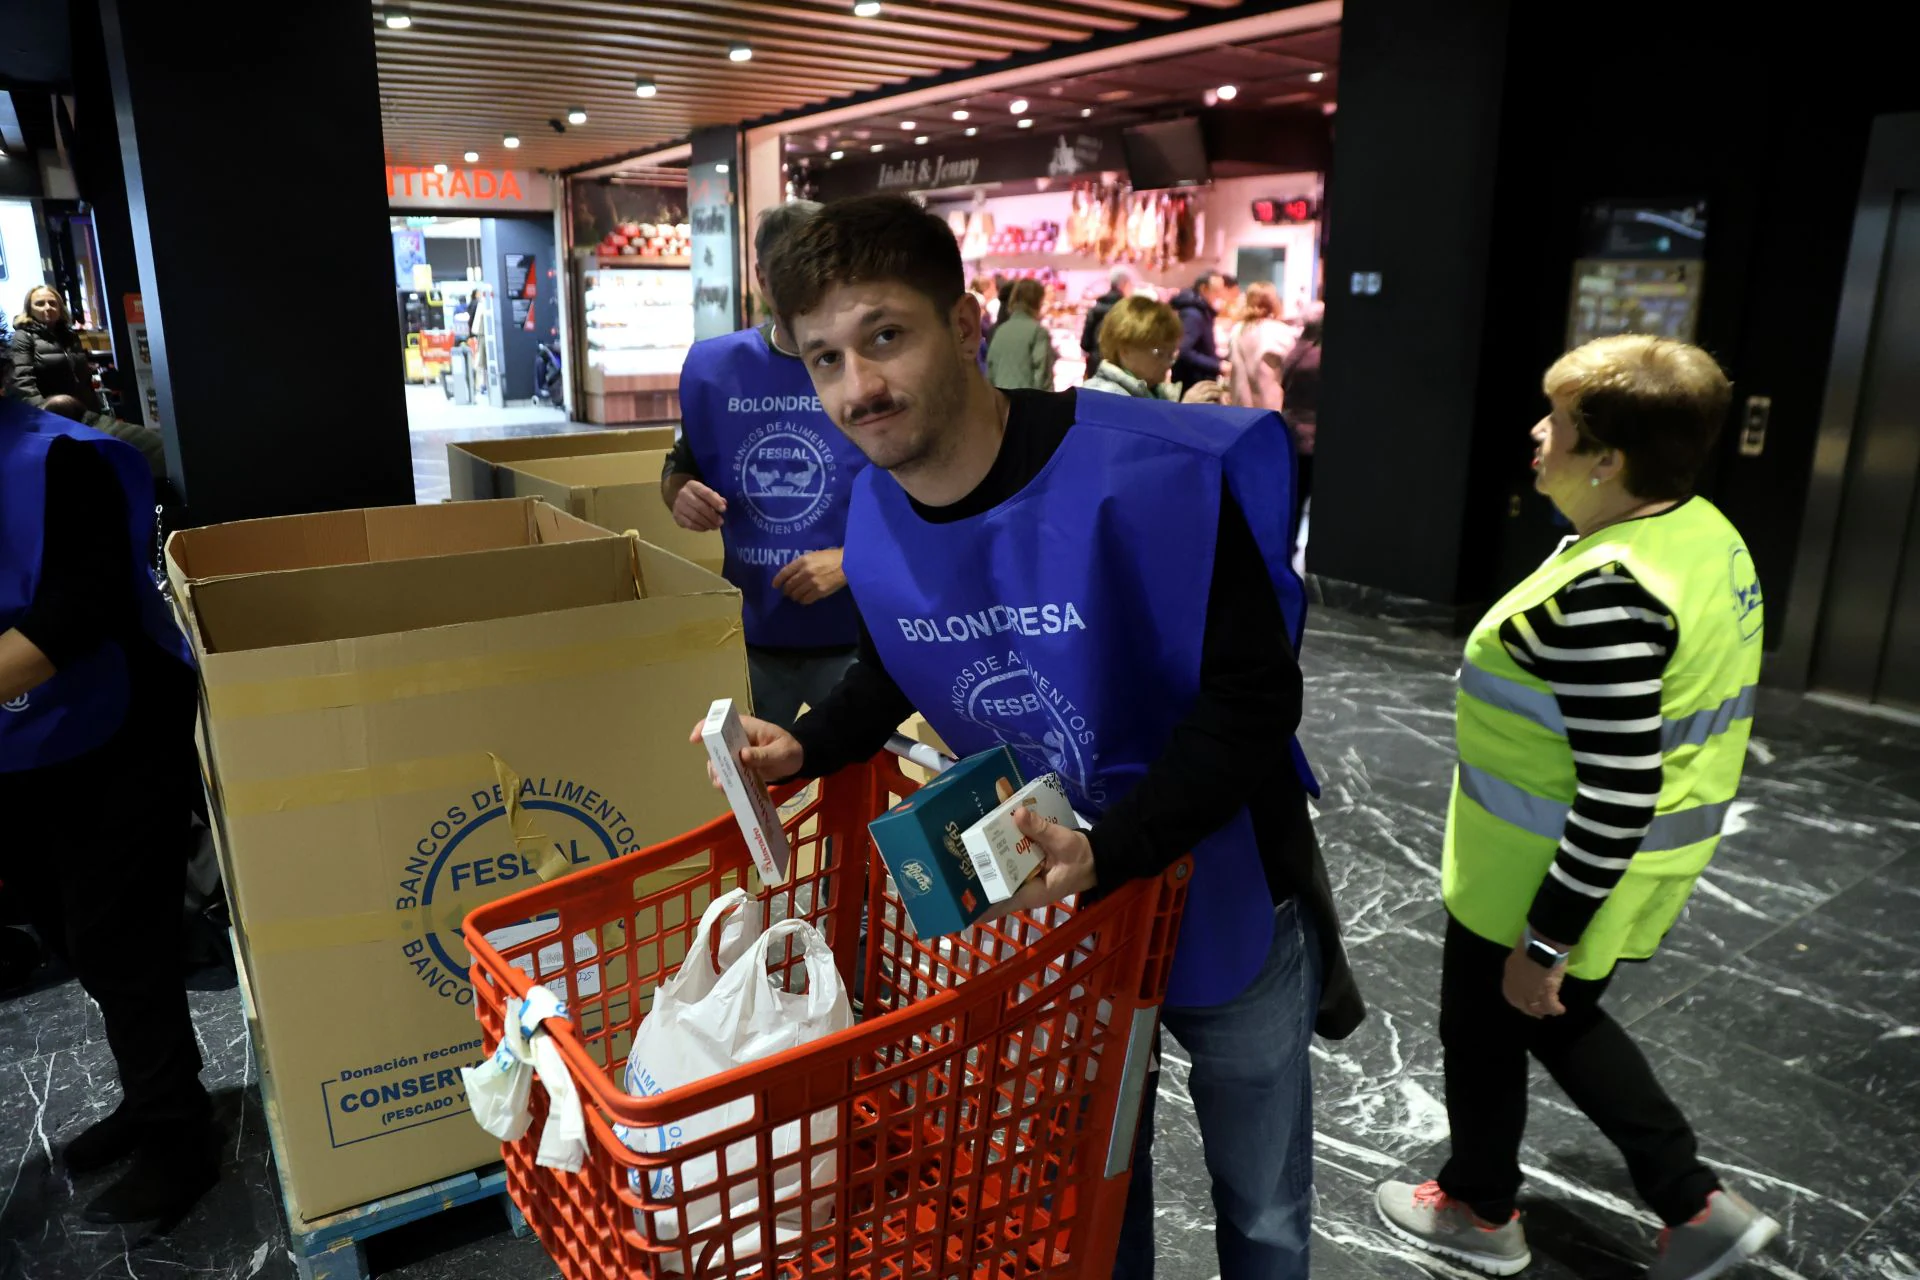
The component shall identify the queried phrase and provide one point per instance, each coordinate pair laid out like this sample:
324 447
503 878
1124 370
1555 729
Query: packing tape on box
338 786
295 694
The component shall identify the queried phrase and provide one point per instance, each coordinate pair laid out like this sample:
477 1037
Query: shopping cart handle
920 753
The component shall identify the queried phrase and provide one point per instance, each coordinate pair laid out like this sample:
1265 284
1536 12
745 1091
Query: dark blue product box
920 840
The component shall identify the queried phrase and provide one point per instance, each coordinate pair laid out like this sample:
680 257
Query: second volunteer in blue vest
758 460
96 754
1101 584
1603 714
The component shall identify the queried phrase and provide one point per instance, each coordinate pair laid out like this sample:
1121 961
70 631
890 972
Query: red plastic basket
982 1111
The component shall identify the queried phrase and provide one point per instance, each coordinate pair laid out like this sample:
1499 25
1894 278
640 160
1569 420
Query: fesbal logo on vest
1745 582
785 471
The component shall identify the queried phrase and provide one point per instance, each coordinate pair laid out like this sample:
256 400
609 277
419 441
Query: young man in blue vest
1103 585
758 460
96 732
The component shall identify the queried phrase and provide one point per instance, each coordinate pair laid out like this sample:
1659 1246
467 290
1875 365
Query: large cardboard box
617 491
372 680
477 468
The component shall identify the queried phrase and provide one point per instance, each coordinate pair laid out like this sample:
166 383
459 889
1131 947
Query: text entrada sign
406 181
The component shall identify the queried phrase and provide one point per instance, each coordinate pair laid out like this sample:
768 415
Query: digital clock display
1274 213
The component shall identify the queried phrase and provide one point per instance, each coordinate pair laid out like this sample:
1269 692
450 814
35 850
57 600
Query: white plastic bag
705 1022
498 1089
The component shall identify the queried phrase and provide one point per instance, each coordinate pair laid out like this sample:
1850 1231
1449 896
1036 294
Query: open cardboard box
476 469
617 491
372 683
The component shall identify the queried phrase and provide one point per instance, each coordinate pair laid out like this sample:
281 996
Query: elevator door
1869 638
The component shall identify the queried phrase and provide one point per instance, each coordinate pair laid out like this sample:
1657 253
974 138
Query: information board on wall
1640 271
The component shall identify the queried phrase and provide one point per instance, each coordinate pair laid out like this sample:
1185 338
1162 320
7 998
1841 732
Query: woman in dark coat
45 359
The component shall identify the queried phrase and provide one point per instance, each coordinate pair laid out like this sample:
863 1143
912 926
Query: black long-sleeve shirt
1226 752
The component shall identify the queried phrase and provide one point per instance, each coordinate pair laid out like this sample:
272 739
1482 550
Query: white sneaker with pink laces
1431 1219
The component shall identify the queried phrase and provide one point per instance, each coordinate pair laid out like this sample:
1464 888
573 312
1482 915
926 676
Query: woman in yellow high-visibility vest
1602 721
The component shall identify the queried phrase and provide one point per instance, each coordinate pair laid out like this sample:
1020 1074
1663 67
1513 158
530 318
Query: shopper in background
47 359
1604 710
1120 284
756 459
986 291
1021 353
97 704
1139 341
1198 308
1172 736
1259 344
1300 391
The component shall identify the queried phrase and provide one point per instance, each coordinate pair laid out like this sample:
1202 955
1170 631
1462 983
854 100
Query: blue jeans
1253 1094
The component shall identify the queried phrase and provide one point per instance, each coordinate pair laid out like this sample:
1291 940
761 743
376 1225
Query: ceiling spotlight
920 141
645 88
1227 92
1017 106
867 9
576 115
472 157
877 147
971 131
1085 112
740 53
907 125
721 167
837 155
1027 123
1316 77
440 168
959 115
511 142
398 18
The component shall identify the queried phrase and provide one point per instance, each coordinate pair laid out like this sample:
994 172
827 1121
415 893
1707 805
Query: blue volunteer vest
764 444
1067 623
85 703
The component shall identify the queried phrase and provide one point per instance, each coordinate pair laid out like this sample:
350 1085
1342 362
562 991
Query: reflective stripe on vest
1538 705
1548 818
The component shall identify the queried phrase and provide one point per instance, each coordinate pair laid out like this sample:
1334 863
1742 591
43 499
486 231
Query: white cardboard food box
1001 855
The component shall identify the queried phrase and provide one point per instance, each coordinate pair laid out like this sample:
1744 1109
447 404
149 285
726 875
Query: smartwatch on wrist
1540 953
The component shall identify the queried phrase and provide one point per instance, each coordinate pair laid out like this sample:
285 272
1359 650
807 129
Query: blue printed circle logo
468 857
1747 599
785 476
1035 717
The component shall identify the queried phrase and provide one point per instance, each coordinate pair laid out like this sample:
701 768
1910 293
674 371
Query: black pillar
278 369
1412 193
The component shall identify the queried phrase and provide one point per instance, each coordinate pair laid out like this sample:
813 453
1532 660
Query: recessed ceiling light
1227 92
440 168
472 157
837 155
511 142
721 167
920 141
1027 123
1085 112
971 131
867 9
740 53
907 125
1017 106
878 146
959 115
576 115
1317 77
645 88
398 18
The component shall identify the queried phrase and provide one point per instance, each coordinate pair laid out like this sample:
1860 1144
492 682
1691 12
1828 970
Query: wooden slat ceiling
1277 71
468 72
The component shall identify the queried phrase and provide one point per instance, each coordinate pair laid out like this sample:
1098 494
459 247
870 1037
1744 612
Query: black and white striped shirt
1601 644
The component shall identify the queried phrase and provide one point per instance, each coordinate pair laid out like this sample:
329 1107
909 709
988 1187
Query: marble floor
1784 1016
430 442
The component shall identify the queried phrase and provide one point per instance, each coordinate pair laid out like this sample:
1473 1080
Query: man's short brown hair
865 239
1660 402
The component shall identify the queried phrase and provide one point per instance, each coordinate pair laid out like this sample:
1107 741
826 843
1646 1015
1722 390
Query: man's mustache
859 413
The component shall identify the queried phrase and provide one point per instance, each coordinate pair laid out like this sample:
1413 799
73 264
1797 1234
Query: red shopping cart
979 1118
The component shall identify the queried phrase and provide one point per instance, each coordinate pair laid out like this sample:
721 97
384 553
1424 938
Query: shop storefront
631 263
477 290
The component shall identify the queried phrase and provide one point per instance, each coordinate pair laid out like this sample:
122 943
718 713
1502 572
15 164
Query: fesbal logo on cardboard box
469 855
